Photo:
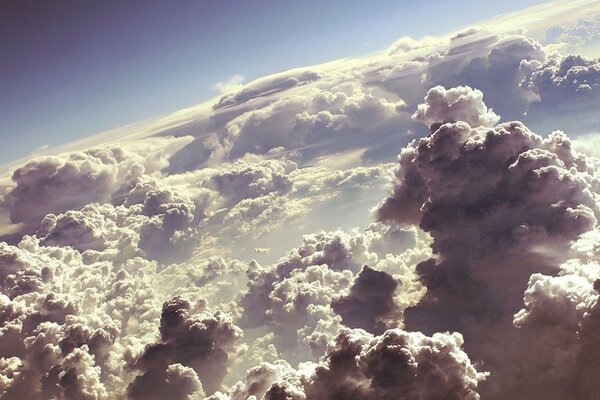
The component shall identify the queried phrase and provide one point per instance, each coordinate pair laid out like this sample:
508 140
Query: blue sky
70 69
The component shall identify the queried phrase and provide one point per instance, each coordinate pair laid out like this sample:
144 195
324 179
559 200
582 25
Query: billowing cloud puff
337 251
60 183
397 364
490 64
95 227
301 302
564 93
175 382
456 104
64 324
295 294
251 180
257 381
573 77
406 44
300 297
70 323
255 217
564 311
438 176
264 196
202 342
495 64
151 219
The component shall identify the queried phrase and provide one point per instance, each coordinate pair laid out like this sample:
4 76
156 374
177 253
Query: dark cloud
572 77
174 382
357 365
563 311
203 342
500 204
394 365
368 302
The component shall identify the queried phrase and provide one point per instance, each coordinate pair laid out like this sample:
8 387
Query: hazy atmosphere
278 200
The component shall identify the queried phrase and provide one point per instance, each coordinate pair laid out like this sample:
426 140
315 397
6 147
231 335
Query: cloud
574 38
406 44
369 301
71 323
67 341
262 250
396 364
243 180
328 115
150 219
572 77
257 381
267 86
260 197
501 204
490 64
296 293
308 295
202 342
52 184
564 311
360 103
233 84
456 104
129 270
478 58
589 144
564 92
175 382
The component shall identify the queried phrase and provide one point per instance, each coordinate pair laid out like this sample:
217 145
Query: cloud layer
390 227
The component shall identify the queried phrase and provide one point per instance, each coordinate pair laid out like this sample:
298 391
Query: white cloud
233 84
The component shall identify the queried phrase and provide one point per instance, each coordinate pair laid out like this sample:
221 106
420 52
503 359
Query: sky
71 69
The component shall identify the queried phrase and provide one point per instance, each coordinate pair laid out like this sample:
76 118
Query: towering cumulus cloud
201 342
358 365
501 204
